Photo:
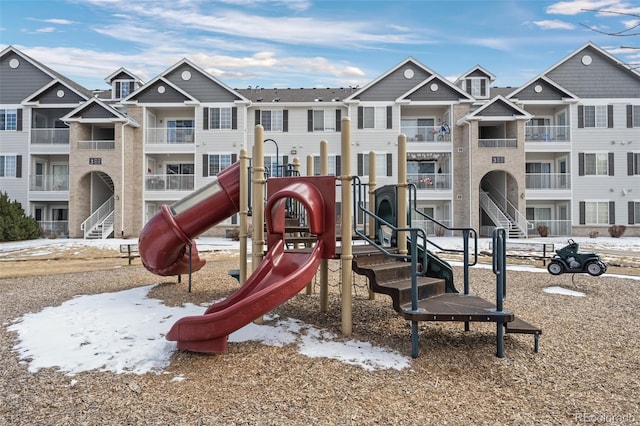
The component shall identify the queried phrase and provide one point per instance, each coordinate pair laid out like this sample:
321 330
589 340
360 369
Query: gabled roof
156 83
498 108
33 98
121 73
408 61
475 72
164 77
430 88
98 112
53 74
541 85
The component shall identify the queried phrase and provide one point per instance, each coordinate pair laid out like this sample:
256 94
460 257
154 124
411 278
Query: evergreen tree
14 224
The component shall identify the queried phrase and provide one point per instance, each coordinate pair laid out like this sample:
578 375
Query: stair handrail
494 210
520 219
109 219
500 270
467 233
98 216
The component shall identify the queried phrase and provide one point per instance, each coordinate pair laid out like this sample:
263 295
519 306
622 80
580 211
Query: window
124 88
478 87
217 163
220 118
596 212
634 212
633 163
180 131
324 120
633 116
375 117
595 164
271 120
333 165
383 164
595 116
8 166
8 119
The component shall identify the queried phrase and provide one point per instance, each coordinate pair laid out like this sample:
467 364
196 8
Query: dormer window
122 88
477 87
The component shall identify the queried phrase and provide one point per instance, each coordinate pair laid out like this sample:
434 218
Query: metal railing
430 181
49 183
170 135
547 133
97 145
98 216
50 228
497 143
426 133
169 182
557 228
548 181
50 136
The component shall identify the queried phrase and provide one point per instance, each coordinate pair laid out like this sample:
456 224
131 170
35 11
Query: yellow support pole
372 204
402 193
244 213
346 256
324 263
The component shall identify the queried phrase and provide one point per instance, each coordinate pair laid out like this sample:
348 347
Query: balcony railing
48 183
548 181
426 133
50 136
497 143
97 145
169 182
430 181
558 228
49 228
170 135
547 133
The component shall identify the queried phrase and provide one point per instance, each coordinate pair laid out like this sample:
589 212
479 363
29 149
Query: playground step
522 327
456 307
400 290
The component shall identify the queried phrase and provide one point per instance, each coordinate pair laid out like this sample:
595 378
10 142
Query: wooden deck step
456 307
522 327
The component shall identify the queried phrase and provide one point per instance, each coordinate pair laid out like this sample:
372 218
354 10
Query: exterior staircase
500 218
99 225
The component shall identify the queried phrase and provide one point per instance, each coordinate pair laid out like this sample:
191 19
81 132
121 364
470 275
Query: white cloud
45 30
59 21
580 6
554 25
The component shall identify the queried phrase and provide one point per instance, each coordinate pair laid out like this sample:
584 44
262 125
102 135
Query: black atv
568 260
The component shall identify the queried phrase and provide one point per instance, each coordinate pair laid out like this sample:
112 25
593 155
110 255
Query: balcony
169 182
49 228
430 181
550 181
48 183
107 145
170 135
497 143
53 136
426 133
547 133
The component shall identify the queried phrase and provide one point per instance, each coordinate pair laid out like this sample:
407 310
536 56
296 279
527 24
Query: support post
244 213
372 205
402 194
324 263
258 201
346 256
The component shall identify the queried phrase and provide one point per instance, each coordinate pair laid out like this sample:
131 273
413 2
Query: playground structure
395 257
569 260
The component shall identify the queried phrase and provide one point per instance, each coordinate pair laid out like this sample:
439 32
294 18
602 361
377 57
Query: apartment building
563 150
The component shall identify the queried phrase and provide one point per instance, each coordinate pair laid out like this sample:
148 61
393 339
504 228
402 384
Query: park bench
130 251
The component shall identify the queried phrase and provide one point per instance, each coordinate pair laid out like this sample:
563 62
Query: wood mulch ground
587 370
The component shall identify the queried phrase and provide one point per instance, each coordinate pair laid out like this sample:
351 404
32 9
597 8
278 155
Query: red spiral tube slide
165 240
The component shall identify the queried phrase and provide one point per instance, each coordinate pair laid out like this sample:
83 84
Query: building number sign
93 161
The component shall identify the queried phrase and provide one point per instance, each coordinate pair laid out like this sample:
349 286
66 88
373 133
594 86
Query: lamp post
277 154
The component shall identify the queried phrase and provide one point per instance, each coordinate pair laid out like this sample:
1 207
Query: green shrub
14 224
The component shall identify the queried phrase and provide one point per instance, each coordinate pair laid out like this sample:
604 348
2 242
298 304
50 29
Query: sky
311 43
130 336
